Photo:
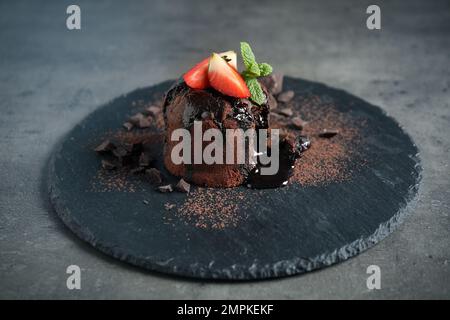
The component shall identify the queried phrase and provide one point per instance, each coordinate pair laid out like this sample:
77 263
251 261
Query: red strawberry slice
226 79
197 77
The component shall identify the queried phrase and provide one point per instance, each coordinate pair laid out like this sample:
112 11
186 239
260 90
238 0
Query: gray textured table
51 78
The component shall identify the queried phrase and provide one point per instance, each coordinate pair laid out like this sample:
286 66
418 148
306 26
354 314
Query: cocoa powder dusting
327 160
209 208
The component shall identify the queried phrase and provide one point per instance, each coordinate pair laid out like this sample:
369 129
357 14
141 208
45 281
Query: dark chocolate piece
285 96
108 165
298 123
128 125
183 186
144 123
154 110
105 146
273 83
165 189
286 112
328 133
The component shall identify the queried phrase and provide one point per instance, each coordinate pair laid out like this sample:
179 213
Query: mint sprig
252 72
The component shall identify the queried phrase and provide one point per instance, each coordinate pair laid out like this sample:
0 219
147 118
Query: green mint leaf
253 70
265 69
247 55
257 94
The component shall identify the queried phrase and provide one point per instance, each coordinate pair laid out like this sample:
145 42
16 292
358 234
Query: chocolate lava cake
184 105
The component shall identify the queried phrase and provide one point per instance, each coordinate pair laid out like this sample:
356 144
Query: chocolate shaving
183 186
135 119
144 160
105 146
128 125
273 83
169 206
144 123
328 133
165 189
286 112
154 110
298 123
108 165
286 96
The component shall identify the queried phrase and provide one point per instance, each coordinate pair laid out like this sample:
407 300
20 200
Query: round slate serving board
287 231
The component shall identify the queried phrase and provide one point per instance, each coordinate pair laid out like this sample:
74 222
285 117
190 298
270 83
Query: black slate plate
287 231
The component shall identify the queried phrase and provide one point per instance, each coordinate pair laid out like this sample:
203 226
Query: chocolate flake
169 206
154 110
120 152
135 119
285 96
273 83
105 146
137 170
144 122
286 112
108 165
165 189
144 160
183 186
328 133
128 125
298 123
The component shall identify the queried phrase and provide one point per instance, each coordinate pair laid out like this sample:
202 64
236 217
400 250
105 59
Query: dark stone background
50 78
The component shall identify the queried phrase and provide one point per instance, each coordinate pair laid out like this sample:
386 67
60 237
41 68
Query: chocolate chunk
169 206
144 160
154 110
286 112
105 146
165 189
183 186
328 133
108 165
128 125
144 122
137 170
272 102
298 123
135 119
120 152
128 146
273 83
285 96
154 176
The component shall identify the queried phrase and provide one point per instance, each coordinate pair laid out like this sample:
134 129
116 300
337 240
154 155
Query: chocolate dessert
214 95
184 105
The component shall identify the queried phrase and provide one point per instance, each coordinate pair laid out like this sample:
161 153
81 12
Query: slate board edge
234 272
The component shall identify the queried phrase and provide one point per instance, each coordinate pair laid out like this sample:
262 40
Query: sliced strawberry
197 77
226 79
230 57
